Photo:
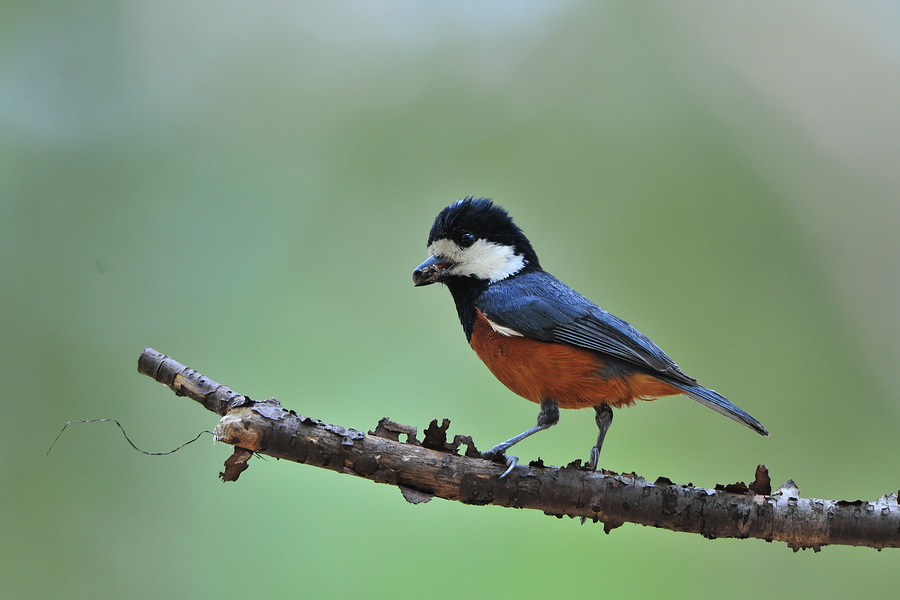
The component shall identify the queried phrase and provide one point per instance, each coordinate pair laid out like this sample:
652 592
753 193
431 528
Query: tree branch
434 467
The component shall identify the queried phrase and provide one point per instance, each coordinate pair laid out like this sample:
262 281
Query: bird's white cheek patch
483 259
443 249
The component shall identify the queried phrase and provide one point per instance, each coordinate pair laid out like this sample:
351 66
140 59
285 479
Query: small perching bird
540 338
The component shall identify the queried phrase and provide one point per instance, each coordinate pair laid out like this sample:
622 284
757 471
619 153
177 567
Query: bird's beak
430 271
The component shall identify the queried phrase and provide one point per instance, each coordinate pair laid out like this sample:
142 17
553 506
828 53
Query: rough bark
434 467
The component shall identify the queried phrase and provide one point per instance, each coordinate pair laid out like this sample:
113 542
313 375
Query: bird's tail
721 405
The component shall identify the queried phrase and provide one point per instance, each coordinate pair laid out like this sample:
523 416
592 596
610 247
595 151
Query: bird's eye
465 239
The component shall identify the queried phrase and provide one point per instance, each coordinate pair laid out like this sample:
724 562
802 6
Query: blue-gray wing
541 307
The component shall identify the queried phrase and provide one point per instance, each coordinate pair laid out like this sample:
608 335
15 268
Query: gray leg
548 417
603 419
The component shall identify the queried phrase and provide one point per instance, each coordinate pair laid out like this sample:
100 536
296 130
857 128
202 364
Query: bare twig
125 434
434 467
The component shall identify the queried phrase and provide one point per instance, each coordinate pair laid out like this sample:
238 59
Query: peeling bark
434 467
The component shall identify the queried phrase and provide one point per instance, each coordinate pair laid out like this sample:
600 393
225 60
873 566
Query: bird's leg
603 419
548 417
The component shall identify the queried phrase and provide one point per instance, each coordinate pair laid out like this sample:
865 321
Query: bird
543 340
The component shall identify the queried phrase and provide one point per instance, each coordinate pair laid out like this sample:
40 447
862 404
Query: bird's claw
595 459
511 461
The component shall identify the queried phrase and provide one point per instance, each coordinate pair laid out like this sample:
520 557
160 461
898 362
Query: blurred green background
247 187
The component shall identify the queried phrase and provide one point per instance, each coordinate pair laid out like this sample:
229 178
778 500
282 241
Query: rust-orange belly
570 376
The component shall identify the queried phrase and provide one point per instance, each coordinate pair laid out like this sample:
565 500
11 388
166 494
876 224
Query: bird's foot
494 453
594 459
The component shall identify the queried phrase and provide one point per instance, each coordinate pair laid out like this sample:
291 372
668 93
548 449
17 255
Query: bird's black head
475 239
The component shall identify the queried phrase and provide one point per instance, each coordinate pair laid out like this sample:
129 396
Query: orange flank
570 376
